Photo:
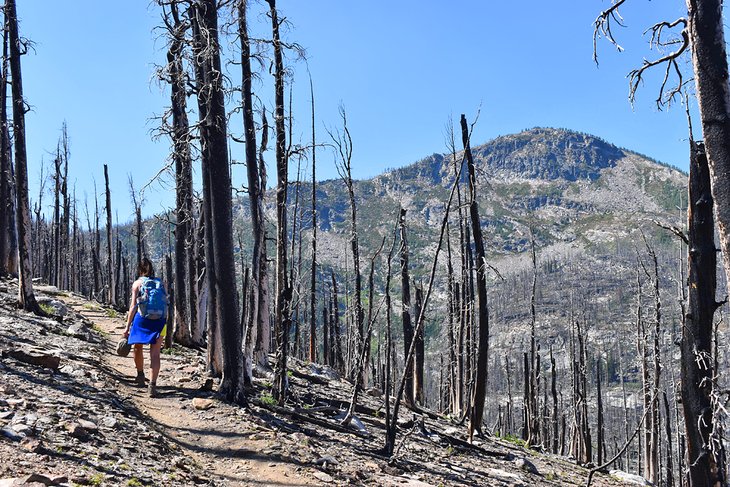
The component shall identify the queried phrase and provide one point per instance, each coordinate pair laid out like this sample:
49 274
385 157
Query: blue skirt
145 330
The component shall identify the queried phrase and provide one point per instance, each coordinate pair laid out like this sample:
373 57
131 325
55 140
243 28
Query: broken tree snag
480 386
391 425
363 358
22 206
406 305
697 364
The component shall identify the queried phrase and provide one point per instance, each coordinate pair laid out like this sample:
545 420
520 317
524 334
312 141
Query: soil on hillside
71 414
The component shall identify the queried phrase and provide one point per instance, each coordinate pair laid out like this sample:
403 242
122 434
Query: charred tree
7 202
362 361
282 321
709 59
418 374
185 290
111 298
258 315
697 364
22 206
481 374
406 305
217 173
532 412
335 336
391 425
313 280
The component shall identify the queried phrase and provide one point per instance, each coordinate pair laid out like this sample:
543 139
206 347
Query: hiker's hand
126 333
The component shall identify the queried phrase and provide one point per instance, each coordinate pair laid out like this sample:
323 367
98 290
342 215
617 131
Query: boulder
34 357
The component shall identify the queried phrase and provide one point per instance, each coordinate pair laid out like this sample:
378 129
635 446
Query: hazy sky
401 69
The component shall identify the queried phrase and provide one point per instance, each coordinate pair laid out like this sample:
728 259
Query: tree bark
282 321
7 203
22 206
184 263
418 373
111 298
313 281
480 386
217 173
406 306
258 315
709 60
697 364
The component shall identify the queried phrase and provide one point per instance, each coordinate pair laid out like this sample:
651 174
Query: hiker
146 322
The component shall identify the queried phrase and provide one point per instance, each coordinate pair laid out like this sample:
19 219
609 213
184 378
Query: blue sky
401 69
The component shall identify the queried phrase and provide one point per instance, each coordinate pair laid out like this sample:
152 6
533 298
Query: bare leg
155 359
138 357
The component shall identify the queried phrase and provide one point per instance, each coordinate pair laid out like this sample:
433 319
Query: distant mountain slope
567 186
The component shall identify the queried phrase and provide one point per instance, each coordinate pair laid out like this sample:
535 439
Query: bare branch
602 27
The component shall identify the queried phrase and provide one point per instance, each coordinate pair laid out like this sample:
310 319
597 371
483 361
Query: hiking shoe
140 380
153 390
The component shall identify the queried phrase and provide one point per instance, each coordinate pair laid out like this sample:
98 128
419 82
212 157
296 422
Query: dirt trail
223 441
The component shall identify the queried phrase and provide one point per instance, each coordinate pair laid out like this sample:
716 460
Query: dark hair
144 268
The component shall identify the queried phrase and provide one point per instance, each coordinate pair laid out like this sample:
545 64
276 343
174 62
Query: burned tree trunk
313 281
600 431
697 364
406 305
203 68
532 413
185 295
363 358
111 298
258 315
283 287
709 59
7 202
22 206
418 375
217 173
480 377
335 337
391 425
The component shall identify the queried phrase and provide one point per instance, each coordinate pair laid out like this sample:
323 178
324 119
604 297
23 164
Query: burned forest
545 307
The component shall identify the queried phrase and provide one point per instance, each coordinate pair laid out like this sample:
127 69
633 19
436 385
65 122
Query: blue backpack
152 299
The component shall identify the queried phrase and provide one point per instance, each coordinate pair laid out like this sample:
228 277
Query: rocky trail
71 414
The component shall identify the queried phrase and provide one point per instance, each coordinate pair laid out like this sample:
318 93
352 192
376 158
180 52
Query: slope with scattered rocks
71 414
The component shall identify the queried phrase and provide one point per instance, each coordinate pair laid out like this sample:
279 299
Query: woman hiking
146 322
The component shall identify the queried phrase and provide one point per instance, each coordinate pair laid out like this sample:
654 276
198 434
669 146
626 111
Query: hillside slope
71 415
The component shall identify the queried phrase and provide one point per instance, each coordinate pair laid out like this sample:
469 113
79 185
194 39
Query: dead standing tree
392 423
343 161
216 171
258 306
7 202
480 377
22 206
406 306
697 364
532 415
282 321
185 269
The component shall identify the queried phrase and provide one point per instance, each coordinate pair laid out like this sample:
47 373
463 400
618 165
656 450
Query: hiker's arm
132 308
